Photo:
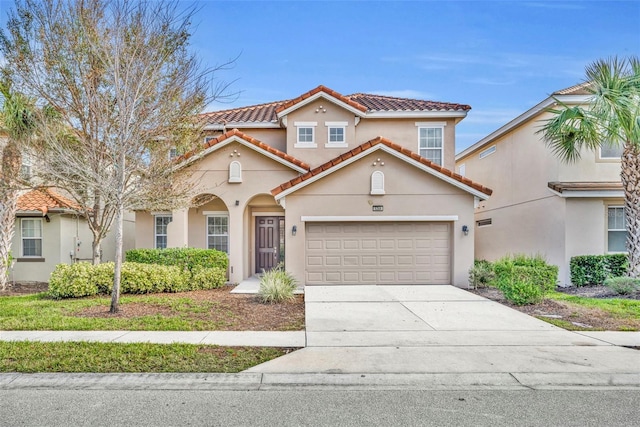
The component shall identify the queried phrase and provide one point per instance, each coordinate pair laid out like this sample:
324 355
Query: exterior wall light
294 230
237 202
465 230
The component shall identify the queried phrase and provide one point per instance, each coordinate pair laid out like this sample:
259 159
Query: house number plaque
378 208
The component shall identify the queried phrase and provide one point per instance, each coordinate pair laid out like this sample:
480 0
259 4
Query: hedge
188 258
523 279
595 269
84 279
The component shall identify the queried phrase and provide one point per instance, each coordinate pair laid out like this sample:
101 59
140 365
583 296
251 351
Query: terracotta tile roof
44 200
235 132
586 186
580 89
390 103
326 90
379 140
267 113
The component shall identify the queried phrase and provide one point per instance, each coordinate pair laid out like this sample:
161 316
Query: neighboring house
354 189
49 231
541 204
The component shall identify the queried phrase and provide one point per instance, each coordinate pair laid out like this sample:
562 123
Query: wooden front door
268 242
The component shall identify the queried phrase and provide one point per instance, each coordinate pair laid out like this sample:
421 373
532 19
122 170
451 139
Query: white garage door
378 253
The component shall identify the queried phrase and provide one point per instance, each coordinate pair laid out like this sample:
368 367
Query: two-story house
541 204
342 189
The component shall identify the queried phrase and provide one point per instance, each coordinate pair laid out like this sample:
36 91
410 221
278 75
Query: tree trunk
11 160
115 293
96 250
630 174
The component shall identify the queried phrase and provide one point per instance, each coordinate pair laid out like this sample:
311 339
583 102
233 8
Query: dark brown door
267 242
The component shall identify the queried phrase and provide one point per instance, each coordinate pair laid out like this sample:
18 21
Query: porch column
178 229
236 244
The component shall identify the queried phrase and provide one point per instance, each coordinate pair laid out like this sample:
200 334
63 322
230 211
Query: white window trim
432 125
462 169
206 229
32 238
336 125
489 151
306 144
607 229
155 228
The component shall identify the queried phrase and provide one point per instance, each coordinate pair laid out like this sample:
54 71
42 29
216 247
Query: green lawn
617 307
142 357
38 312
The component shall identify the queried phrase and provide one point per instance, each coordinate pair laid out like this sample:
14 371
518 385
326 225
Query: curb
363 381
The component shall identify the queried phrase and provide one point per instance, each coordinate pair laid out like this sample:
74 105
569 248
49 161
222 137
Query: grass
143 357
616 307
38 312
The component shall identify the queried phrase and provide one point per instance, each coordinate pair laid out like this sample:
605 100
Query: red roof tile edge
369 144
44 199
319 89
235 132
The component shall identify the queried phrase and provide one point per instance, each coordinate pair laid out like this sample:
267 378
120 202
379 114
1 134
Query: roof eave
416 114
316 96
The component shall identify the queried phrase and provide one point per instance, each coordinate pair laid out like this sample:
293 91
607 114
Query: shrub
595 269
72 281
207 278
523 279
277 285
186 258
622 285
481 274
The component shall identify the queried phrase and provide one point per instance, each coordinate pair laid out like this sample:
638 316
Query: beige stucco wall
527 217
410 191
404 132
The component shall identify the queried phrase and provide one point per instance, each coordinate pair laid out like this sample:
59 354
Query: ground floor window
161 222
31 232
218 232
616 229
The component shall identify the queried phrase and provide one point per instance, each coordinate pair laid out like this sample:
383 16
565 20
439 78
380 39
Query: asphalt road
319 408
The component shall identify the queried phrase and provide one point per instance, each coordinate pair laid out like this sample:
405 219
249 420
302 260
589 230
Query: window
161 222
377 183
611 151
488 151
336 134
616 229
218 232
462 169
305 134
25 167
430 143
173 153
31 232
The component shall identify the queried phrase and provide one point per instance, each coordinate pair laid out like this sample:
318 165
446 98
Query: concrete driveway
439 329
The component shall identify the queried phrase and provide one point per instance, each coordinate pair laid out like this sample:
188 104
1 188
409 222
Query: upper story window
616 229
431 141
160 232
31 233
613 152
462 169
25 167
488 152
305 134
336 134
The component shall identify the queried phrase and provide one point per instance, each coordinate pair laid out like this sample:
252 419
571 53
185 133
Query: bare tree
16 122
123 88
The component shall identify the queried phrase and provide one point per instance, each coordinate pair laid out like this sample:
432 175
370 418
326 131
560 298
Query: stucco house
355 189
49 231
541 204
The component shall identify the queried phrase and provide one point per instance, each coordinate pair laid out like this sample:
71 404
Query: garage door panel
369 253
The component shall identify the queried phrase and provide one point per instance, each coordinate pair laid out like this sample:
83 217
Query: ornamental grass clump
276 286
623 285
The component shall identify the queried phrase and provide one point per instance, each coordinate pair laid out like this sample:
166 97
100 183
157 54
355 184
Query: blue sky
500 57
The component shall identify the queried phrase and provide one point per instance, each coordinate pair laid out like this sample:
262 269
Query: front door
269 242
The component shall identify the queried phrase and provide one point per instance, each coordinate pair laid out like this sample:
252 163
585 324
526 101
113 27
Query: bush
277 285
481 274
525 280
623 285
595 269
72 281
186 258
207 278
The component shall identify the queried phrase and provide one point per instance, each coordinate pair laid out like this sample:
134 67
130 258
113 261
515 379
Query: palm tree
16 122
612 116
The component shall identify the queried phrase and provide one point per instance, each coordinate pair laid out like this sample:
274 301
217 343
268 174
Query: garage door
378 253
